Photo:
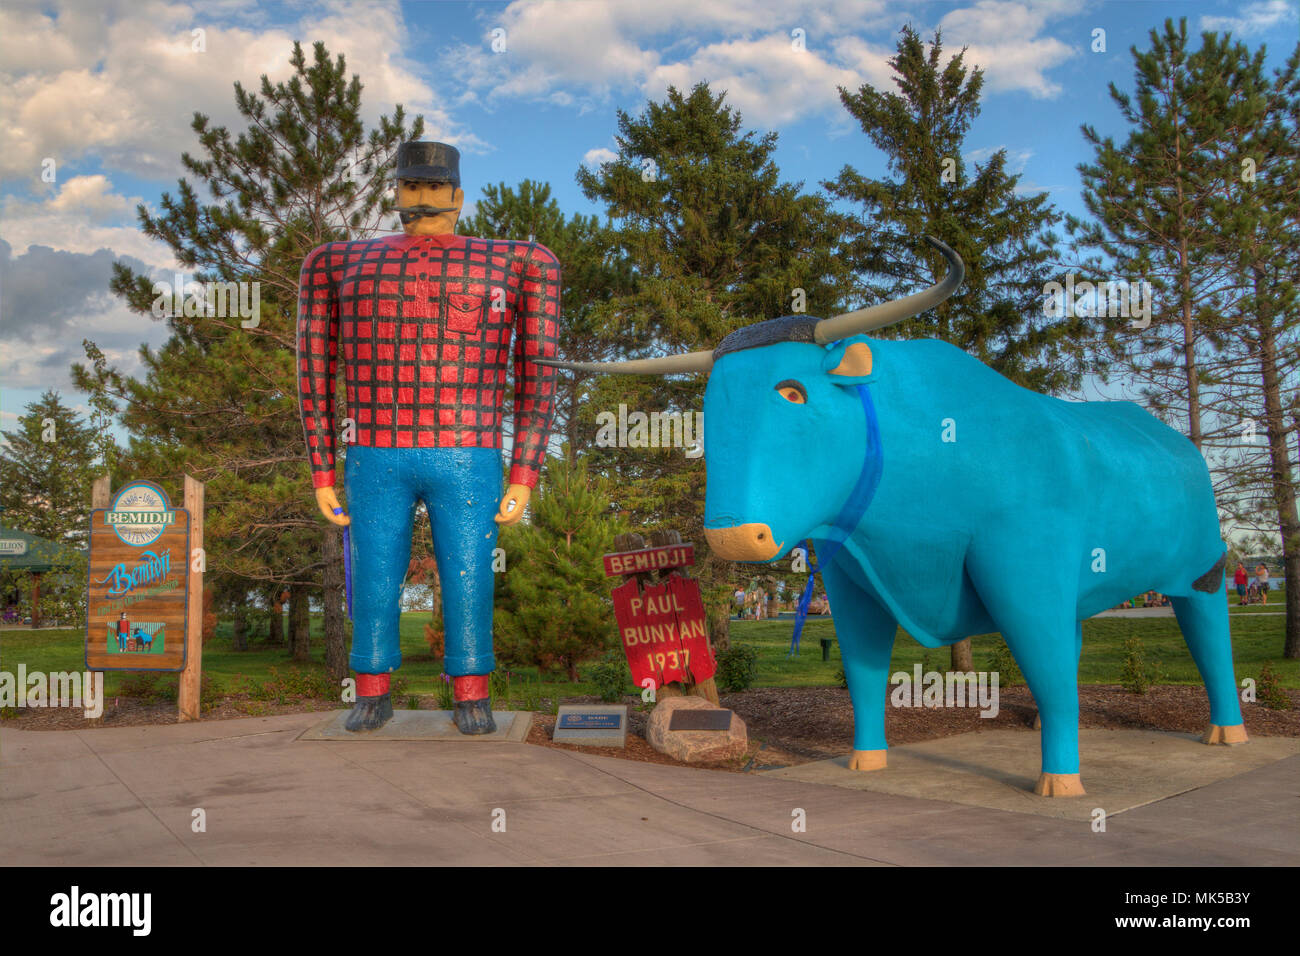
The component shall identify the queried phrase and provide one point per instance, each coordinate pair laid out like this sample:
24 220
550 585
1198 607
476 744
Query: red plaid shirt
425 325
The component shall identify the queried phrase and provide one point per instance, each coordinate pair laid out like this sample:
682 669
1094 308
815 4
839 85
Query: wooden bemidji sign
145 589
139 572
662 625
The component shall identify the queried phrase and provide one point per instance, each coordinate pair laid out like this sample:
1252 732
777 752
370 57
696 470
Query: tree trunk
333 594
962 659
239 630
275 635
719 622
1284 497
299 640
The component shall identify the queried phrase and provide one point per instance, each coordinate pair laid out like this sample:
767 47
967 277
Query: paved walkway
128 796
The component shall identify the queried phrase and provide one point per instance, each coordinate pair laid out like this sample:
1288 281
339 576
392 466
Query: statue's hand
328 503
513 503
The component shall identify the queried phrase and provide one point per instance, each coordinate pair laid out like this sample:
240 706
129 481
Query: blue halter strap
854 508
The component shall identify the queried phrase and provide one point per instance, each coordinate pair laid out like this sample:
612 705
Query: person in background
1240 580
1261 579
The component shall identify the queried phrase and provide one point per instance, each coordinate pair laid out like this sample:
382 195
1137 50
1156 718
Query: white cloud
122 82
90 194
1005 39
581 53
1255 18
599 156
80 218
766 79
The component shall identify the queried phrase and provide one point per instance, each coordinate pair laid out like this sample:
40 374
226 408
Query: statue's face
412 192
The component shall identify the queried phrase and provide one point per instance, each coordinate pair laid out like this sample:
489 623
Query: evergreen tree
48 464
1003 237
220 399
715 240
553 607
1251 384
1155 200
592 276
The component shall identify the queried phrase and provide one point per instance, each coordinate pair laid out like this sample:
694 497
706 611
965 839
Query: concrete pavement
128 796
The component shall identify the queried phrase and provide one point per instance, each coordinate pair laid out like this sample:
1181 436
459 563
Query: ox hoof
1231 735
867 760
1059 785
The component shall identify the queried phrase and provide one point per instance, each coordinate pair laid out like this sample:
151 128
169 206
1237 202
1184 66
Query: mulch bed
787 725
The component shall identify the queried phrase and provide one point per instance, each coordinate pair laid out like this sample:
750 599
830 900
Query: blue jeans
461 488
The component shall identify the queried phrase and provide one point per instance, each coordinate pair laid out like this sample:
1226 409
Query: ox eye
793 391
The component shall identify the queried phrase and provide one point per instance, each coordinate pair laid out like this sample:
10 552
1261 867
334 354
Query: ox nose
743 542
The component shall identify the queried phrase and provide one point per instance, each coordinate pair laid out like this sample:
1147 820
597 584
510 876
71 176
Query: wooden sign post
145 585
191 677
661 620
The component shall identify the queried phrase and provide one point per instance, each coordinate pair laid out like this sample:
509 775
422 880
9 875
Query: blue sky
107 92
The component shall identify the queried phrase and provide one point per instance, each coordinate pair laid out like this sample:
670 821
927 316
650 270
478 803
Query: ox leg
1203 619
1048 654
866 632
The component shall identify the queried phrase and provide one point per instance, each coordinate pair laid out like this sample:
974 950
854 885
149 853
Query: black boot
370 713
474 716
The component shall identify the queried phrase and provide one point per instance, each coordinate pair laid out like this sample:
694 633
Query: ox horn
826 331
663 365
888 313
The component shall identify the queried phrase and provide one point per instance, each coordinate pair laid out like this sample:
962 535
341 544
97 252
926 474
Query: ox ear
851 366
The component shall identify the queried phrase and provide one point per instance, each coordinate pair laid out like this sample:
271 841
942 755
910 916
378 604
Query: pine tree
553 607
219 398
1155 200
1202 197
592 275
48 464
1252 382
1003 237
716 240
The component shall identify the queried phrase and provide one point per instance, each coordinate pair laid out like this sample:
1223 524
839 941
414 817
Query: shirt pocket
464 312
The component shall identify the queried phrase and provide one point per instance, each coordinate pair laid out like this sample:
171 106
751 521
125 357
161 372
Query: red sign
664 632
649 559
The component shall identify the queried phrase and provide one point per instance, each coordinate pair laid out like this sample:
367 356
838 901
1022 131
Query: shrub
737 667
610 675
1268 689
1004 663
1137 675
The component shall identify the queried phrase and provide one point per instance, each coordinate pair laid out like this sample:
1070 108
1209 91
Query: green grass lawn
1256 638
63 650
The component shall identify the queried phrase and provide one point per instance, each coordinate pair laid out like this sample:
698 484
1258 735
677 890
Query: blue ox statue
942 498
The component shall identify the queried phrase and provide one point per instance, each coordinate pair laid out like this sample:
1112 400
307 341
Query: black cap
430 162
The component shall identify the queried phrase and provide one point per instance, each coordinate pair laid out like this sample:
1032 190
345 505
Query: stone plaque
601 725
700 720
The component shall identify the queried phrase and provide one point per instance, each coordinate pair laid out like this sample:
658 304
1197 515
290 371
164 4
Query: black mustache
408 213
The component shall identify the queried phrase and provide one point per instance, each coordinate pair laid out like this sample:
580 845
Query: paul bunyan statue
423 322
